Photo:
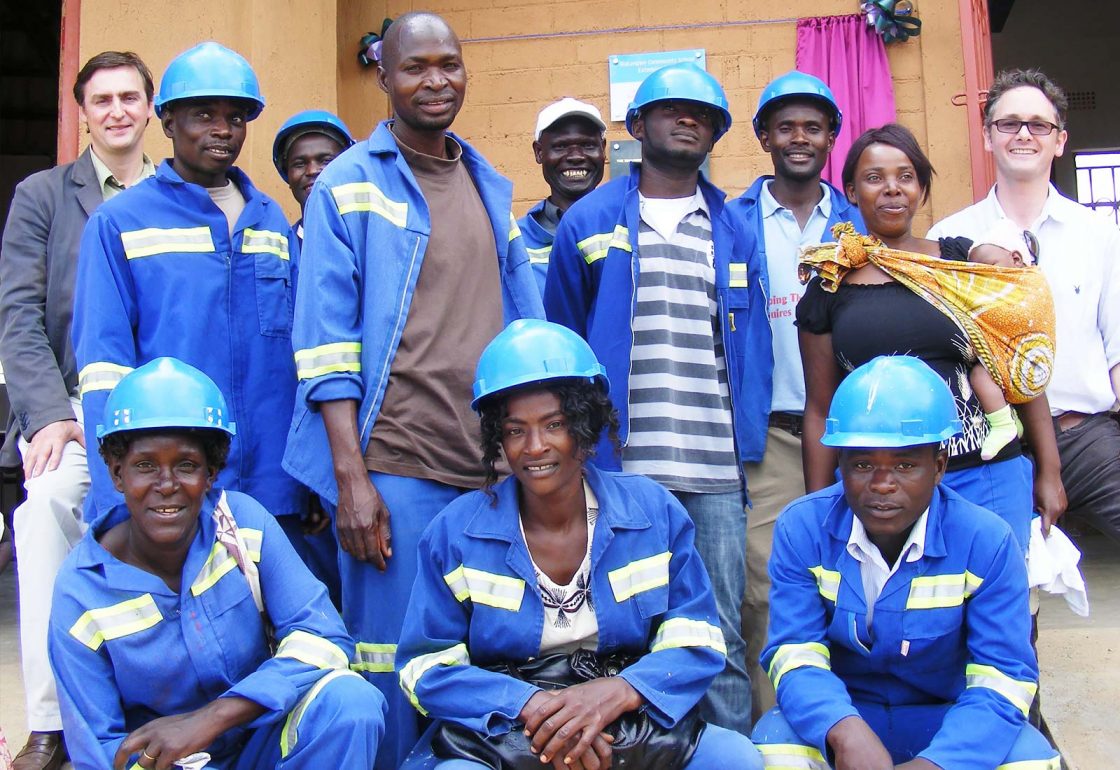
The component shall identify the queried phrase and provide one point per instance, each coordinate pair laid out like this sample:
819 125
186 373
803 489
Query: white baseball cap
565 108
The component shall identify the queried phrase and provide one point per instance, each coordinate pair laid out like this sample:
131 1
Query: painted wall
305 52
292 45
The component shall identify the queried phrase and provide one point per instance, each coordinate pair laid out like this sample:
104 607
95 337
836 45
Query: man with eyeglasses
1079 253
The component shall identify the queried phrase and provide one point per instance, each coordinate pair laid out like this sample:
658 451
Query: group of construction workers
230 425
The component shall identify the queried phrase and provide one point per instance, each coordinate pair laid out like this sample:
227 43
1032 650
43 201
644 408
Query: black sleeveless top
869 320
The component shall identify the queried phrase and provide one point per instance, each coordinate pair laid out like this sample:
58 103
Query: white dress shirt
873 567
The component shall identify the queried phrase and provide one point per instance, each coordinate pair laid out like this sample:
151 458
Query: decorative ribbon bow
369 47
893 20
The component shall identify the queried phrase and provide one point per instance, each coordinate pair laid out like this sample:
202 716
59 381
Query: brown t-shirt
426 428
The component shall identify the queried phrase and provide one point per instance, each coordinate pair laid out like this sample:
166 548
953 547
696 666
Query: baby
1004 245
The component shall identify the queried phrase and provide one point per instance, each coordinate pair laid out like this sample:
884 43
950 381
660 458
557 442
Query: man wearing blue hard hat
656 274
303 147
796 123
413 262
899 624
195 263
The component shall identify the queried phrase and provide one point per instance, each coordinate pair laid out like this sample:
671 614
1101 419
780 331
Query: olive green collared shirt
109 184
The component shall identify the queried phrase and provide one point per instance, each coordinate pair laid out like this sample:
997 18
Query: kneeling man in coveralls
899 624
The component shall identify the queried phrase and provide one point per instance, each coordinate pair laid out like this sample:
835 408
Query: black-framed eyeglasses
1035 127
1032 245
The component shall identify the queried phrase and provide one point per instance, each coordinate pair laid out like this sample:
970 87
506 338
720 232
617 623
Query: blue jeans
718 749
721 537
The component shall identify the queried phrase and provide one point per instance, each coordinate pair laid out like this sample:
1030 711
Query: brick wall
511 79
304 52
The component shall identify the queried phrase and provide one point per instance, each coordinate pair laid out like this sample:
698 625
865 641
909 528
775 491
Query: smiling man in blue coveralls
194 263
412 262
796 123
898 611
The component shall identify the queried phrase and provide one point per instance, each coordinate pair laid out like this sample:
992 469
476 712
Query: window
1098 182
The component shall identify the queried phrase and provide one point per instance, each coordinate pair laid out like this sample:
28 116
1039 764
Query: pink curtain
845 53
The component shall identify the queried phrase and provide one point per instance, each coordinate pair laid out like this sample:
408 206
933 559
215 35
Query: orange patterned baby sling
1007 313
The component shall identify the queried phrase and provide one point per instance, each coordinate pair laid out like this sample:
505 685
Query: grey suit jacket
38 262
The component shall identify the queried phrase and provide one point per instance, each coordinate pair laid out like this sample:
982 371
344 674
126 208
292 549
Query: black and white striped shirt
680 409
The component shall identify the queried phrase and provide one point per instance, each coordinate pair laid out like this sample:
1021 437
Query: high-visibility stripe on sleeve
312 650
220 561
641 575
1054 763
792 656
828 582
1020 693
289 736
738 277
100 375
934 591
684 632
514 230
539 256
488 588
332 357
595 247
264 242
374 658
98 626
366 197
457 581
421 664
790 756
159 240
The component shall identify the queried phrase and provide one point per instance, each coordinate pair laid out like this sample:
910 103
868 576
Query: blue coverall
126 649
476 603
366 229
945 671
160 275
538 244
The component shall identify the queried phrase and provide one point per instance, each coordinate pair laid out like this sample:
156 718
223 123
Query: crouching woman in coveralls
166 614
559 557
898 610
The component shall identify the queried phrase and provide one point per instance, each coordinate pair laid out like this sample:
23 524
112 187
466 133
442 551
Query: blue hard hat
306 122
686 82
889 402
529 350
165 393
209 69
796 83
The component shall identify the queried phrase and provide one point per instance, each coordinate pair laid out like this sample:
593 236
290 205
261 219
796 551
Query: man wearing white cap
570 145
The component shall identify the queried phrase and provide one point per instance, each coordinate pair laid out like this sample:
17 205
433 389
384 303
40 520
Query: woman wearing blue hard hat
561 615
184 631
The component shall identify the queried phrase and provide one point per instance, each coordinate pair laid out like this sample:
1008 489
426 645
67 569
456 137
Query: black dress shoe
43 751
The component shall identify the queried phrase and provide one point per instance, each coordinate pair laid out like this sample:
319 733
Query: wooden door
976 42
